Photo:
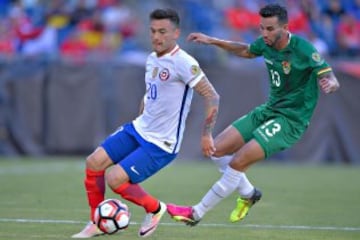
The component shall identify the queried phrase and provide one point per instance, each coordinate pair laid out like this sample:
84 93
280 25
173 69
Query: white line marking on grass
260 226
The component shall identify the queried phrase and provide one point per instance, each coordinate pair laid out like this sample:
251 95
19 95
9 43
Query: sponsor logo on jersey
195 70
164 74
286 67
155 72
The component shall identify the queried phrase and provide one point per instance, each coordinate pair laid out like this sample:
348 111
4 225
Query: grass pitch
45 199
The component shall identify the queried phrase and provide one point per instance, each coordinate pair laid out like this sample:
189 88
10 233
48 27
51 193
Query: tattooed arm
237 48
141 107
328 82
212 98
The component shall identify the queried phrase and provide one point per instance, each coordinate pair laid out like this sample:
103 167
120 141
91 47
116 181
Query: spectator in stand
354 9
348 35
84 39
117 17
57 14
298 20
242 21
334 10
22 25
312 11
92 30
3 7
82 11
32 40
73 47
120 27
331 15
319 44
7 39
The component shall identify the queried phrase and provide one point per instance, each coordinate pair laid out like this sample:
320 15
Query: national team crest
155 72
164 74
316 57
286 67
195 70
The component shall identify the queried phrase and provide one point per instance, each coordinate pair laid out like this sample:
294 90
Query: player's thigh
249 154
144 162
228 141
251 121
119 145
241 130
278 134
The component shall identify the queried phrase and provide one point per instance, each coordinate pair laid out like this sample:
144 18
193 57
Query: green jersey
293 73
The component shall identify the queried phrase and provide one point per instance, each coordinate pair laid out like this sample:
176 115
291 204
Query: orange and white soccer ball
112 215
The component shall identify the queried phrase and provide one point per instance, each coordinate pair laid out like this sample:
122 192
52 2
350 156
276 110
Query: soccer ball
112 215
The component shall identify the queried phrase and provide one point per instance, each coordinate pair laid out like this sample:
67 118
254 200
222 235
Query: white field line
259 226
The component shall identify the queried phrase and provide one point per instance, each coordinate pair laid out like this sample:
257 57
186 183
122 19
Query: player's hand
199 38
328 84
207 145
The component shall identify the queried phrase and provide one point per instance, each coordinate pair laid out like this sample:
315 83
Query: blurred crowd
112 28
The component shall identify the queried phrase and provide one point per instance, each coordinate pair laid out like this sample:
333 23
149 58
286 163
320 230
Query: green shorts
273 131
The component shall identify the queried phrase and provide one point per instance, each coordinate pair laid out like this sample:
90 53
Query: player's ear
177 33
285 26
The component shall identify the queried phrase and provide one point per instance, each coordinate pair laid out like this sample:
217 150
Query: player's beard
276 40
272 43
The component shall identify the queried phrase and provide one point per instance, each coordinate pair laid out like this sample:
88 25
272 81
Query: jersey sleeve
189 70
257 47
315 60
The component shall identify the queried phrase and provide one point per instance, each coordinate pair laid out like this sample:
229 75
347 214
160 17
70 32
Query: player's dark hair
166 13
274 10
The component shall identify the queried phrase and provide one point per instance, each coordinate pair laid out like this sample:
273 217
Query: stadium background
72 71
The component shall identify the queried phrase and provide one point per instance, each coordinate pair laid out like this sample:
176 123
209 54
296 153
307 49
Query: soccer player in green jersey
296 70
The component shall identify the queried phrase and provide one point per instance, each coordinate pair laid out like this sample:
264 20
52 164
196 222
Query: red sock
95 188
136 194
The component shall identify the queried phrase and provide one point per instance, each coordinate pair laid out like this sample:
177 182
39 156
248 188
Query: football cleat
151 221
243 206
90 230
182 214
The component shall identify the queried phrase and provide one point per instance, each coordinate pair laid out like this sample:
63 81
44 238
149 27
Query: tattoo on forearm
205 89
237 48
210 121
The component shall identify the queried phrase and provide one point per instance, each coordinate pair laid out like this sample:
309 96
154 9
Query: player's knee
112 180
223 150
220 151
98 160
116 177
91 162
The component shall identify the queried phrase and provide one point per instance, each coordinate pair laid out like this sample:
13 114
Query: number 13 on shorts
271 127
278 134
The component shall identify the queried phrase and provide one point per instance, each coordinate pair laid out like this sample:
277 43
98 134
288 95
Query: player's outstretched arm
238 48
212 99
328 82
